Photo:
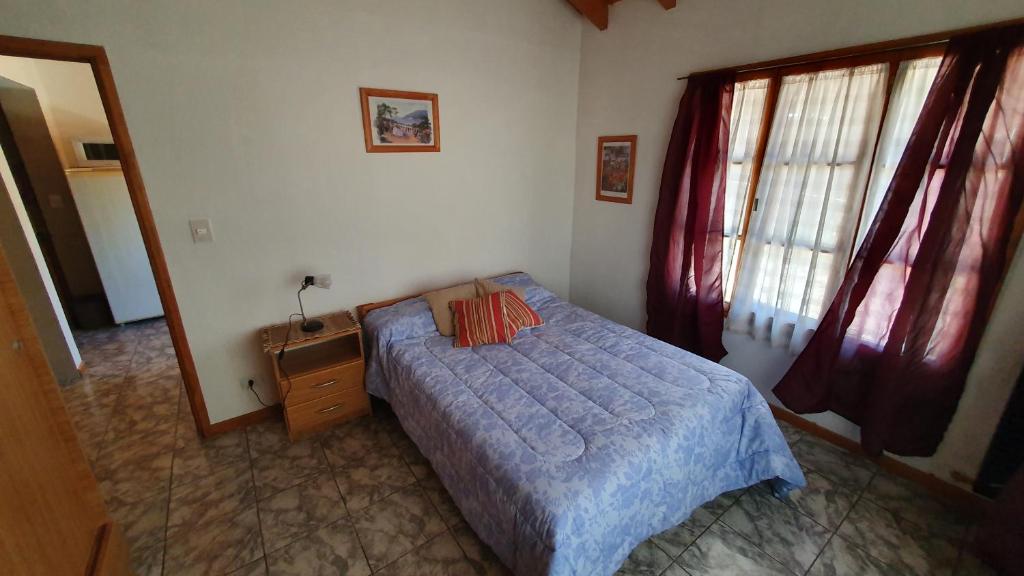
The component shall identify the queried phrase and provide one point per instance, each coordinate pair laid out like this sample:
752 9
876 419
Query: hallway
128 408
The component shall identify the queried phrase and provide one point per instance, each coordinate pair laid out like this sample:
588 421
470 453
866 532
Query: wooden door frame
96 57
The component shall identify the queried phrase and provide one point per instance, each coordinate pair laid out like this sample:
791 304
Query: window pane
913 81
816 168
747 111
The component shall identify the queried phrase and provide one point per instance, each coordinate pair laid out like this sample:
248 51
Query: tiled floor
851 519
361 499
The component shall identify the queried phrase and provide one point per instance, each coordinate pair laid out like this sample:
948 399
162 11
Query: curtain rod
862 50
812 60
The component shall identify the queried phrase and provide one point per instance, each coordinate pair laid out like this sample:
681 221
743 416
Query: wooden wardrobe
52 517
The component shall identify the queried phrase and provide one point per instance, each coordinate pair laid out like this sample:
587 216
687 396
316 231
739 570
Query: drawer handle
330 409
324 384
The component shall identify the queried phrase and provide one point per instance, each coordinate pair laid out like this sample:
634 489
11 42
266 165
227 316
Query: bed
577 441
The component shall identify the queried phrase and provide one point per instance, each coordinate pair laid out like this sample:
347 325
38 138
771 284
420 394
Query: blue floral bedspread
577 441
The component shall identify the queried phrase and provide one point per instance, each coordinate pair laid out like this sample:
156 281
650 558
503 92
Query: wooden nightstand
320 375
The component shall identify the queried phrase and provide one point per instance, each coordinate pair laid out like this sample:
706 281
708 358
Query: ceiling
597 10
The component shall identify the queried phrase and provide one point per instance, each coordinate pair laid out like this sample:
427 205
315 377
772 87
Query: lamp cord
258 399
280 355
280 365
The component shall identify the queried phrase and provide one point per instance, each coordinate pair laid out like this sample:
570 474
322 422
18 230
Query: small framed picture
616 157
399 121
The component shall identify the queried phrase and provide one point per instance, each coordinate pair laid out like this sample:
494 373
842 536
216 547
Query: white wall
628 86
68 96
247 112
30 272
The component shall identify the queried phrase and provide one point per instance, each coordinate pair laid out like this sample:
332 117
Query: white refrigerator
116 243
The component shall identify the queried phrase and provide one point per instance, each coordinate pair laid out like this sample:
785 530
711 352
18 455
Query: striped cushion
482 321
519 312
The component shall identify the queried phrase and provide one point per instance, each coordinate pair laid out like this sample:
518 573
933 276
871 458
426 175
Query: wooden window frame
892 56
891 51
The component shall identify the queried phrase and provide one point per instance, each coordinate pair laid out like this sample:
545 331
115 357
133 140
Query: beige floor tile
223 493
286 467
215 547
396 525
299 510
332 549
195 458
441 556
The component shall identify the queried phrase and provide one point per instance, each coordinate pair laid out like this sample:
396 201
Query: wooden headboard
363 309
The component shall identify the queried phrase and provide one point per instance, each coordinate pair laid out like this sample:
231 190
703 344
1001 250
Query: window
913 80
812 151
744 129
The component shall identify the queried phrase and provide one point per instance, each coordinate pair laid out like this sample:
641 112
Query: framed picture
616 157
397 121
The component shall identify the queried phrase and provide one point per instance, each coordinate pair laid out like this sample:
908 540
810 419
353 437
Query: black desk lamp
320 281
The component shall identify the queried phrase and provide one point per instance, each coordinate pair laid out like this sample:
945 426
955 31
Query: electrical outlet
247 379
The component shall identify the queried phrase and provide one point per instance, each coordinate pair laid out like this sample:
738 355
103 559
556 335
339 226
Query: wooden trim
364 100
110 554
594 10
48 49
363 309
963 501
597 10
96 57
888 57
245 420
861 49
601 141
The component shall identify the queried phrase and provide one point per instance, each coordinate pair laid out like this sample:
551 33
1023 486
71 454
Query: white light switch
201 231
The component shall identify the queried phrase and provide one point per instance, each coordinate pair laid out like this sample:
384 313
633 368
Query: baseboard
244 420
963 501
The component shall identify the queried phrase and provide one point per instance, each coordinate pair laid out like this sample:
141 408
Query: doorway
78 231
81 307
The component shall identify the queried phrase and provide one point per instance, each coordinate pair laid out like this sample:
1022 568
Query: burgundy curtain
893 350
684 285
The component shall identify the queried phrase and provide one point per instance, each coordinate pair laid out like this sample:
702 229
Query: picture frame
616 165
400 121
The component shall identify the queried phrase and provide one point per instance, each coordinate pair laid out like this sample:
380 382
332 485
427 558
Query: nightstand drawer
321 413
323 383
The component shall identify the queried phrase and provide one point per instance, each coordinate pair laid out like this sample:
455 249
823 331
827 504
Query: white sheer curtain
913 81
745 124
809 195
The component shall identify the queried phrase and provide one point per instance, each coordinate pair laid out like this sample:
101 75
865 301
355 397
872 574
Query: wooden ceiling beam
595 10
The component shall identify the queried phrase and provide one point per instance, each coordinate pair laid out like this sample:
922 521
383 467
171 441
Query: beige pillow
485 286
438 301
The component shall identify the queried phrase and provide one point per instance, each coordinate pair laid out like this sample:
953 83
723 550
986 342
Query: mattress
577 441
